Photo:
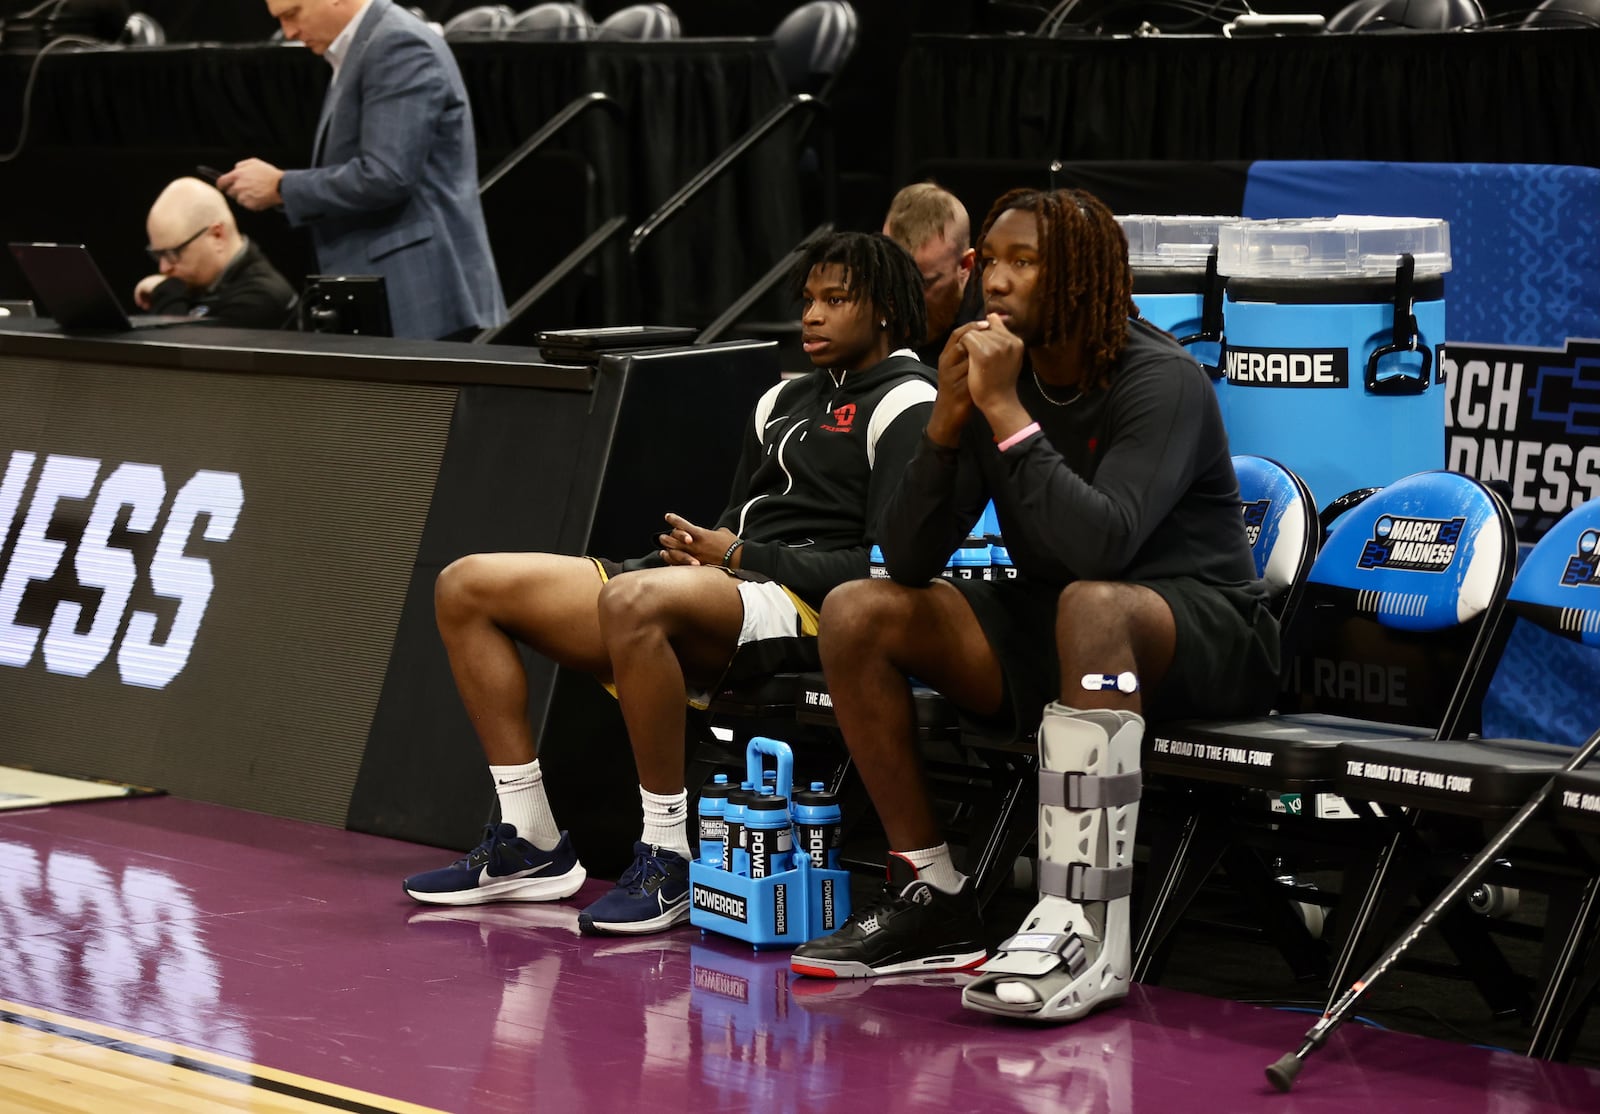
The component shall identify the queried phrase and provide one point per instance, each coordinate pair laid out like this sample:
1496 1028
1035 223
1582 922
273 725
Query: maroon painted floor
292 946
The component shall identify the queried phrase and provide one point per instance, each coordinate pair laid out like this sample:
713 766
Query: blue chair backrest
1280 521
1559 585
1403 606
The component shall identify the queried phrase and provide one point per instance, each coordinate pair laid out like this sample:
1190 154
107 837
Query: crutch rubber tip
1281 1074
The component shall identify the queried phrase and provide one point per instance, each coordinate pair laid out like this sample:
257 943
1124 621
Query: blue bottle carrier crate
797 902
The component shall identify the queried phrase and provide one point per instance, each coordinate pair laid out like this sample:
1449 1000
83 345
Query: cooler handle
1210 317
1405 339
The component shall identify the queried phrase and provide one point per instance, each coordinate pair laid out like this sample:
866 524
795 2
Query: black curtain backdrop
1522 96
110 126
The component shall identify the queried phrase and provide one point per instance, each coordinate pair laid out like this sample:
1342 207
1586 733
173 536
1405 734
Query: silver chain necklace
1046 394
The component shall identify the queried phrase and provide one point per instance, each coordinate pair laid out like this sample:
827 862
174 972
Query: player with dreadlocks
1100 443
710 606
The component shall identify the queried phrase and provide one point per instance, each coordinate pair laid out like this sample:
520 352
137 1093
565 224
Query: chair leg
1504 991
1571 979
1194 856
1364 924
1306 956
1006 829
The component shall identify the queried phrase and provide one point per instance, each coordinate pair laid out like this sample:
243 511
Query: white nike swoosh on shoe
668 906
484 877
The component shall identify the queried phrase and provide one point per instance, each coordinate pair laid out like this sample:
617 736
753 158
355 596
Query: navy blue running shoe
651 896
504 867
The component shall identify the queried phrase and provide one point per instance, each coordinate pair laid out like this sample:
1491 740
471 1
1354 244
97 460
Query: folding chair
1285 533
1400 611
1451 790
1573 809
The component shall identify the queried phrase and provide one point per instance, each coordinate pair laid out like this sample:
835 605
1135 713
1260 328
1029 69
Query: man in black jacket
709 606
207 268
1100 443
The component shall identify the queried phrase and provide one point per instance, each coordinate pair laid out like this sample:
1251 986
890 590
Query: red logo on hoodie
842 419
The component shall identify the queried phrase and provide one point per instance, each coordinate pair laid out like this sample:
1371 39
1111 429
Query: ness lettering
1529 418
1417 544
78 637
1288 367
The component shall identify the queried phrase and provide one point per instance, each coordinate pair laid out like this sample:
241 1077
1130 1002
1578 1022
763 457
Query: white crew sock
665 820
523 804
935 867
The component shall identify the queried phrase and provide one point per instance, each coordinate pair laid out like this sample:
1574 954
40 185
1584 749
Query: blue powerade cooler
1332 330
1176 285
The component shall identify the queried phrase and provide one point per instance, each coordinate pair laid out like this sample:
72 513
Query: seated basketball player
712 605
1099 440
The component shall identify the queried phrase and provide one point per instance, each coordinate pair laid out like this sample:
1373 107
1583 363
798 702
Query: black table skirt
1505 96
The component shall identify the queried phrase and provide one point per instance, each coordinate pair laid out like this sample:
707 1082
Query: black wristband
732 549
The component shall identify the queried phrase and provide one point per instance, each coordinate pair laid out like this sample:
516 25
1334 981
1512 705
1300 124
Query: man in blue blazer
392 188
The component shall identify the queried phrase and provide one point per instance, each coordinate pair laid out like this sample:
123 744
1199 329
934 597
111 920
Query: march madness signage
1529 417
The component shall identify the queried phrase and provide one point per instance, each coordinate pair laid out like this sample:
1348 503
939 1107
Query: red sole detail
814 972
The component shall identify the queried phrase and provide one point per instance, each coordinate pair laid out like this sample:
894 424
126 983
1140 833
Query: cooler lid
1171 243
1342 246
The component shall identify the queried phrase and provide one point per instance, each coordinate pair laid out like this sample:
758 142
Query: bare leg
1105 627
663 630
875 634
484 605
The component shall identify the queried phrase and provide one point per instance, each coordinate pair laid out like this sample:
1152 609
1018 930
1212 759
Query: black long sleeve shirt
1132 482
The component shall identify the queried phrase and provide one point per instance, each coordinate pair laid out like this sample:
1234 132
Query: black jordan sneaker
910 926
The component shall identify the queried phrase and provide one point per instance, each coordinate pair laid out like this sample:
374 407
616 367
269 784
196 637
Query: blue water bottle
971 560
713 828
767 834
734 858
820 824
877 570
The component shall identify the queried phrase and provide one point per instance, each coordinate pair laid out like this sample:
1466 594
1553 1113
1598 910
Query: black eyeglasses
170 255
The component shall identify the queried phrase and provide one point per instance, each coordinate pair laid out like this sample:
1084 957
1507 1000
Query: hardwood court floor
159 954
61 1065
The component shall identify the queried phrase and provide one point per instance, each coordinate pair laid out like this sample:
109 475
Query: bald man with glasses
206 268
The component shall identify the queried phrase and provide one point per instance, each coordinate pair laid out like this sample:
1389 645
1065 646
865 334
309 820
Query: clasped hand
978 367
684 543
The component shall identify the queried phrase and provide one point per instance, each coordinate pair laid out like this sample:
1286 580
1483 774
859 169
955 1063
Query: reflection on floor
273 943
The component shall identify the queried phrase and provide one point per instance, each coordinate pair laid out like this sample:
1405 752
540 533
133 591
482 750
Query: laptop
586 346
72 290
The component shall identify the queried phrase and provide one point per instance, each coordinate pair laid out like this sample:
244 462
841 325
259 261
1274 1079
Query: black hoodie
821 456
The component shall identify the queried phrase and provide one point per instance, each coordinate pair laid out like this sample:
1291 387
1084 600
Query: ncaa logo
1255 517
1584 566
1414 544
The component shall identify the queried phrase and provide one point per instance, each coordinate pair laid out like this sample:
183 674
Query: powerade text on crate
1331 332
